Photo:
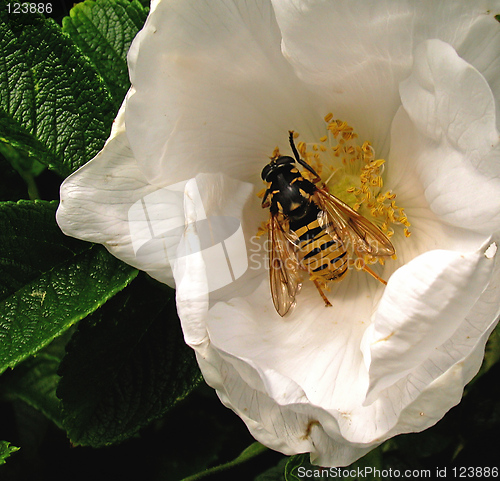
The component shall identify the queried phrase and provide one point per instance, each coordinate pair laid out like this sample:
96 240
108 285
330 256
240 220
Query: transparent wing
354 231
283 268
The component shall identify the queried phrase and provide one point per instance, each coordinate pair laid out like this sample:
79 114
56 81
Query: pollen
276 153
355 175
261 193
358 178
351 171
263 229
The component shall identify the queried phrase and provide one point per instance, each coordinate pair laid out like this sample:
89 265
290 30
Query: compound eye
274 166
285 159
266 171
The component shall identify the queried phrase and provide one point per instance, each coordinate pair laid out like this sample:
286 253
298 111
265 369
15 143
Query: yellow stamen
358 162
354 175
261 193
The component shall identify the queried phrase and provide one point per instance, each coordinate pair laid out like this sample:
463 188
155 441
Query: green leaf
104 30
6 450
478 422
23 165
249 453
298 465
491 353
126 365
368 467
54 108
48 281
12 186
276 473
220 437
417 446
35 380
26 167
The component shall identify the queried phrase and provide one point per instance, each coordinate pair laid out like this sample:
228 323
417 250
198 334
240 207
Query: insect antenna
299 160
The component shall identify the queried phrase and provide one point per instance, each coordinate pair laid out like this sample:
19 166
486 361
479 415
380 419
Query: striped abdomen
319 253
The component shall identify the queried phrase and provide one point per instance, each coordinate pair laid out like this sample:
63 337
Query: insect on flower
312 230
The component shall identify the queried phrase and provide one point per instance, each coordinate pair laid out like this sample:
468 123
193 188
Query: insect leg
321 293
367 269
266 199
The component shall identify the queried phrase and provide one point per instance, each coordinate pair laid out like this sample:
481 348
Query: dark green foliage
104 30
54 107
126 365
48 281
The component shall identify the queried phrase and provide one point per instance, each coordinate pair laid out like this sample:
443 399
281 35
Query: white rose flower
216 87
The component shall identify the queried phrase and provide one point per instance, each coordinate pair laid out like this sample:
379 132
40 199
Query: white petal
263 350
461 355
222 217
481 49
447 97
437 398
211 91
108 201
425 302
404 177
355 53
457 149
326 338
292 428
97 201
437 385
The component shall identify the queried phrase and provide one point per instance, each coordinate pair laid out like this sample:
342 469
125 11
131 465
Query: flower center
354 175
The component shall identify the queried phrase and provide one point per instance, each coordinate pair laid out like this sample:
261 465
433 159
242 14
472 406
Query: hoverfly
312 230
